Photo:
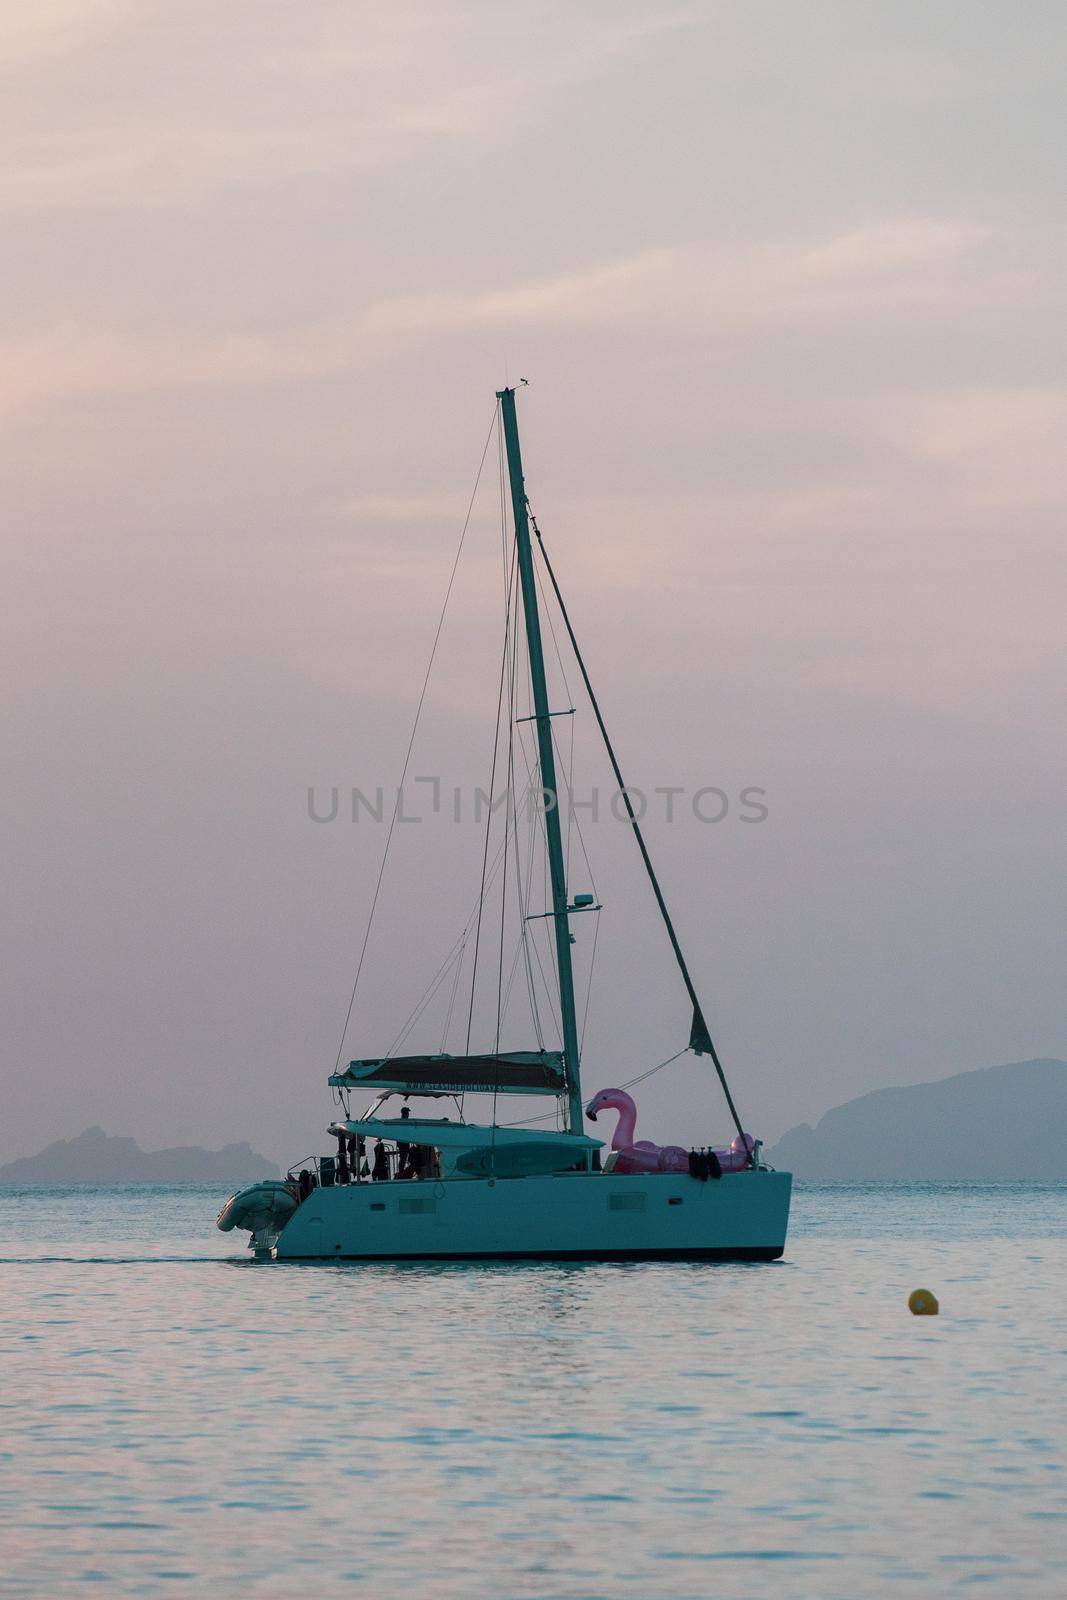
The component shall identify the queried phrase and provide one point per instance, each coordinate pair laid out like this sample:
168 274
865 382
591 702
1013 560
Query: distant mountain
94 1157
1002 1122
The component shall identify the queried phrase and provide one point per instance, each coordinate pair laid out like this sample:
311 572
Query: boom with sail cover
507 1072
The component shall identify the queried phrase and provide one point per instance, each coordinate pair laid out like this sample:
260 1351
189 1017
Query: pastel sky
786 280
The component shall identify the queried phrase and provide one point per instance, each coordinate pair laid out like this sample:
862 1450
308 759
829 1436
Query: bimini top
509 1072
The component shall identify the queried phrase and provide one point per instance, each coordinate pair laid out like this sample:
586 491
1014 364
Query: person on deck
404 1151
417 1157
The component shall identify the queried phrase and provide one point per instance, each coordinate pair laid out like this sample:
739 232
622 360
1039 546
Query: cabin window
627 1202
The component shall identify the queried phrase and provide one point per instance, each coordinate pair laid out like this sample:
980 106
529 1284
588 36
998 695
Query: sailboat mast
547 760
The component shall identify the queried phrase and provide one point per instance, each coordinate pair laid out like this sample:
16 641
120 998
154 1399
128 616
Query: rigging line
521 949
513 973
511 816
548 988
523 902
549 922
411 741
568 768
700 1036
502 485
589 985
538 822
454 950
452 996
551 626
629 1084
417 1014
641 1076
578 827
570 799
457 948
508 793
572 816
489 819
552 988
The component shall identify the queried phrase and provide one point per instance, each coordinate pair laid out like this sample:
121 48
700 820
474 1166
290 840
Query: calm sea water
178 1421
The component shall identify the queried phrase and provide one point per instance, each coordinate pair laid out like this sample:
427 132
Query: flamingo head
609 1100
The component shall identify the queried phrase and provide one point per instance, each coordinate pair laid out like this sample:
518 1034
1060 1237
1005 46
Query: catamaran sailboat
442 1187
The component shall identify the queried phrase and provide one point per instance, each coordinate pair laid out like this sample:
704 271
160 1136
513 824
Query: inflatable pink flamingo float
644 1156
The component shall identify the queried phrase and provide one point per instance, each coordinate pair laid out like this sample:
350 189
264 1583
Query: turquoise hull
575 1215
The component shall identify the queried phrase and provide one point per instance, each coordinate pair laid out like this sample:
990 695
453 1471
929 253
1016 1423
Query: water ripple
540 1431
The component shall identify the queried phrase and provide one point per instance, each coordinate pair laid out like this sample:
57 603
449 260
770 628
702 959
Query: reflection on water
177 1419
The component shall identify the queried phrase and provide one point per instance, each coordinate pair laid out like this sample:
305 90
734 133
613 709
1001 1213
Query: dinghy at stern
263 1208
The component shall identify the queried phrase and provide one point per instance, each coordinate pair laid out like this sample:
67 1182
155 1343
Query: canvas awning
509 1072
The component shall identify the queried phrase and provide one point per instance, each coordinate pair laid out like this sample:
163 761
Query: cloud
1008 441
119 105
400 507
910 262
911 266
49 28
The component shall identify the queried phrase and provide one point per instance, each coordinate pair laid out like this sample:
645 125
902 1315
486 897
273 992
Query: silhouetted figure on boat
404 1152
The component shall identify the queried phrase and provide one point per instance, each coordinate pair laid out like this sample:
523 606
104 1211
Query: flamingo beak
591 1114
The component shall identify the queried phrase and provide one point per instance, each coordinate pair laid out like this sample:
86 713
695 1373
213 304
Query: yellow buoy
921 1303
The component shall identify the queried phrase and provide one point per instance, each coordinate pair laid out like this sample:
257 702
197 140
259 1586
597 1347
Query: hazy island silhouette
995 1123
999 1122
97 1157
